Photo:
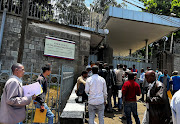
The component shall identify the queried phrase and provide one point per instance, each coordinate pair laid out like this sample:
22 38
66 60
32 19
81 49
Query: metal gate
92 58
59 88
130 61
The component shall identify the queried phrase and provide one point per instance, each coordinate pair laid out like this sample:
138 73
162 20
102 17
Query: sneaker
116 106
140 100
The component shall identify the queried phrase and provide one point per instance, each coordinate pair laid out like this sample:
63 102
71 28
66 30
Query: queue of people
96 86
120 83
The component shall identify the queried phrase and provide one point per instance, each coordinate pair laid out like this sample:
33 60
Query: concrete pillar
146 51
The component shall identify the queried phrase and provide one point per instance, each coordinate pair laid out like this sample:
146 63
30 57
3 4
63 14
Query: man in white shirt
175 107
97 95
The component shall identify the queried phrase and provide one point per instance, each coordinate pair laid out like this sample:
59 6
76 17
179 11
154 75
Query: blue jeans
119 99
49 114
131 107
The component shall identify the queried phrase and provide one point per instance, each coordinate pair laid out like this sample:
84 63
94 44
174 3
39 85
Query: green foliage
72 12
158 6
101 6
175 7
162 7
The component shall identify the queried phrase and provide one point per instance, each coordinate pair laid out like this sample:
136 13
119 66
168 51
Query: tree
72 12
175 7
37 8
101 6
157 6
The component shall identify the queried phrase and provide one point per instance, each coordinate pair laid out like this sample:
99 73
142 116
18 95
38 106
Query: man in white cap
89 70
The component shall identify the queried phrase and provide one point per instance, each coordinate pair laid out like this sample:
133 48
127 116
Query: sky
129 6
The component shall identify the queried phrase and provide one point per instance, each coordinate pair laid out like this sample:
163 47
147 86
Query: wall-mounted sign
59 48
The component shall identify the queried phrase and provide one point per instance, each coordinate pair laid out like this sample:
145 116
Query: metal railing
49 13
59 88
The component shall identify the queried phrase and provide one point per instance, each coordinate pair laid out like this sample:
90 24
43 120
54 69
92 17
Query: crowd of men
97 85
102 82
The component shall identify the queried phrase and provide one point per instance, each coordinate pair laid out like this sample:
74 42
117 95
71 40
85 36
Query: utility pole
147 50
171 51
23 30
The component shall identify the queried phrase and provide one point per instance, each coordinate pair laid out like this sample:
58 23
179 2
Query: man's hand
34 97
42 108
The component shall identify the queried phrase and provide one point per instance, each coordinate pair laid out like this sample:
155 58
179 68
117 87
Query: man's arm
159 79
82 81
175 110
138 92
87 86
41 98
105 91
124 90
13 98
171 80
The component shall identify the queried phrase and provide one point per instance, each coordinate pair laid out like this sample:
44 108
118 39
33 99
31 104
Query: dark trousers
141 87
131 107
114 95
144 91
109 91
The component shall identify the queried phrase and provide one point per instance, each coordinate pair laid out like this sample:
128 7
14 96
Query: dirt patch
113 118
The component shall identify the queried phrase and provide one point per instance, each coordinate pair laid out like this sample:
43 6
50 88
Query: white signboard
59 48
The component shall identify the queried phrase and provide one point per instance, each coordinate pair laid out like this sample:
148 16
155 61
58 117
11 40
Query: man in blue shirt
175 81
165 78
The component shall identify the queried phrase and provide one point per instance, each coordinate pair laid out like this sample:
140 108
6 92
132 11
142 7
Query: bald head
150 76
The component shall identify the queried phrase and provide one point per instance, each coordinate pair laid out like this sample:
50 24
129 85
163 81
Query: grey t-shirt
165 81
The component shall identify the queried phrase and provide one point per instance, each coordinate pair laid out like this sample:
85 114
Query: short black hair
84 72
46 67
101 65
111 67
97 63
121 66
95 69
131 76
16 65
150 69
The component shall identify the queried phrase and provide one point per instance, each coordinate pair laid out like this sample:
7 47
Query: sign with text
59 48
